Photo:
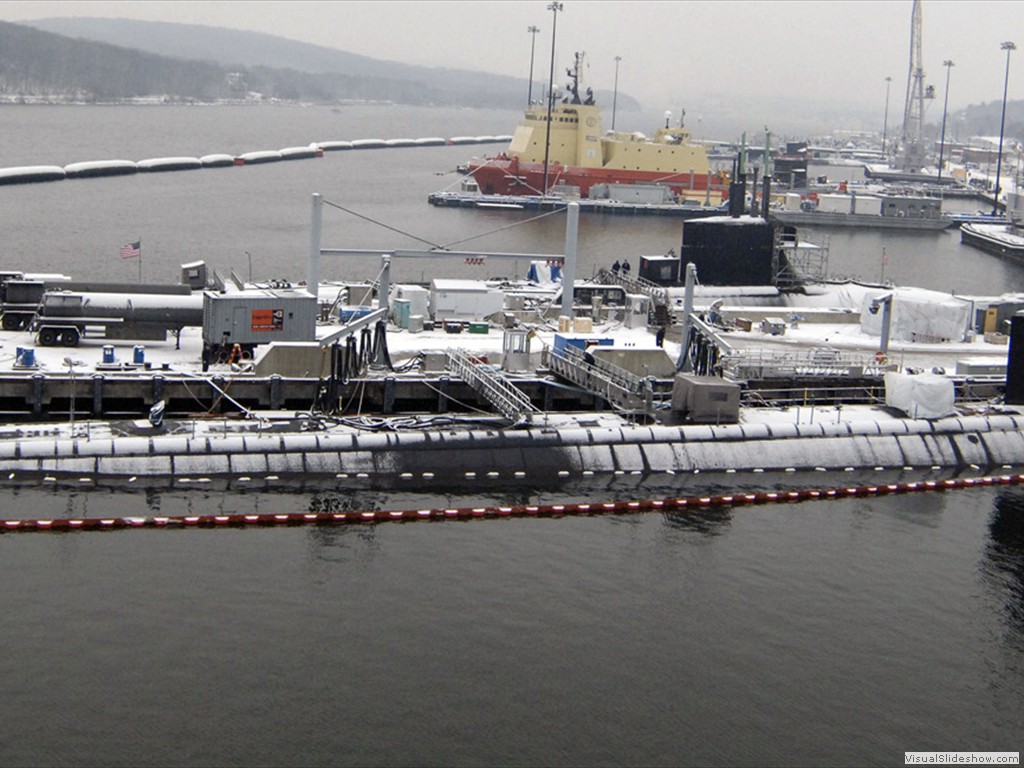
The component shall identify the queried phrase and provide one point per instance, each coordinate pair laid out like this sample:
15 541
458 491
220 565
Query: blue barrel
108 353
140 354
26 356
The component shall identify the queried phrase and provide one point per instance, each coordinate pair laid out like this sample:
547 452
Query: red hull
509 177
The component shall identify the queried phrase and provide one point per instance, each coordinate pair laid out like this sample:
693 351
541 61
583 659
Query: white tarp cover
923 396
917 315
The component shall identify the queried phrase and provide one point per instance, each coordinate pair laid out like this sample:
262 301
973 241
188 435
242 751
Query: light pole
615 93
554 8
885 122
533 43
1007 46
942 140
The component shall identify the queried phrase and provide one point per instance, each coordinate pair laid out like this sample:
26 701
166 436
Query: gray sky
704 56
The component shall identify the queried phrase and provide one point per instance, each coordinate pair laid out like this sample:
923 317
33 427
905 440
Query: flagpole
140 260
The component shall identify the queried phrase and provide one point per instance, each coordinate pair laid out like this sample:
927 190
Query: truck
63 317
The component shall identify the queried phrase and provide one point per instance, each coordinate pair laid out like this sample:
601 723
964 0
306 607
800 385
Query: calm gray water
820 633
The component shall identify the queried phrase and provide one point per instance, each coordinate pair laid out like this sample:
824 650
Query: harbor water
832 632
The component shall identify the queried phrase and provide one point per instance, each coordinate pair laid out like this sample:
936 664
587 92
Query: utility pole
945 103
554 8
615 93
885 122
1008 47
533 43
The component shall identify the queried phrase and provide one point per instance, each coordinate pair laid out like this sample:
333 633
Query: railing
818 362
659 294
970 390
499 392
618 386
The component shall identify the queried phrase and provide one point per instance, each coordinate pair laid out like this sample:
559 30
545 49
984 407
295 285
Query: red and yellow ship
575 152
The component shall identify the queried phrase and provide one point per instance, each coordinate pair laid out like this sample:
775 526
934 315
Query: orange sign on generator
267 320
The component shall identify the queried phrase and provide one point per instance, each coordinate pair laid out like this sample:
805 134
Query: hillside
95 59
240 62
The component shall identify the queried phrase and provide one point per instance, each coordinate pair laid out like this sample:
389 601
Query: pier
551 203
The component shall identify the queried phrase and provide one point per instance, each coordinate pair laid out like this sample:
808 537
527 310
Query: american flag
131 250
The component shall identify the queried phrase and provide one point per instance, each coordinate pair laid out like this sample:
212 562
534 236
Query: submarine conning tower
733 250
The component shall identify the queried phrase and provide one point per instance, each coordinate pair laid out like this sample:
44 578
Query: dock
550 203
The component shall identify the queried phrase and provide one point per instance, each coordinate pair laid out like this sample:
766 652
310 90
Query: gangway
658 294
624 390
499 392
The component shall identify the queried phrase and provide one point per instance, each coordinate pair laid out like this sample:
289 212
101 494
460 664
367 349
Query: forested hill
116 59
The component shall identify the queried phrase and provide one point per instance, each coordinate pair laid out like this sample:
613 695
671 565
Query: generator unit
705 399
253 317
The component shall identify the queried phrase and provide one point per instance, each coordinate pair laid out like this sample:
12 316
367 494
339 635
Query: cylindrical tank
171 310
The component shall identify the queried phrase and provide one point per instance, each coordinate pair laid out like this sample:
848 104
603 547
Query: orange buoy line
519 510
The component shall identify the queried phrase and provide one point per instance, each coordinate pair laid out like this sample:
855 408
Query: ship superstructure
572 150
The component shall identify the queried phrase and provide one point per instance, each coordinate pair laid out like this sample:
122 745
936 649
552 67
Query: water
820 633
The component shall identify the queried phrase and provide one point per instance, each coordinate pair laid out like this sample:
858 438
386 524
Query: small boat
1005 240
1002 238
572 150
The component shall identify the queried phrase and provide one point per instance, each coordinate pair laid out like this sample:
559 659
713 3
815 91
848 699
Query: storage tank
63 316
171 310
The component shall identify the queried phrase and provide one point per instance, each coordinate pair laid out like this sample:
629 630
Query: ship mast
912 153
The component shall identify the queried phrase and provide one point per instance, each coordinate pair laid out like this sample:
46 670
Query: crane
912 152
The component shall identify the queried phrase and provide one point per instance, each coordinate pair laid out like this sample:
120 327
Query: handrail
499 392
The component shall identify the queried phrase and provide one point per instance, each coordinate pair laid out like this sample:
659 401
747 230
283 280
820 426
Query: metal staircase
637 285
495 388
624 390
